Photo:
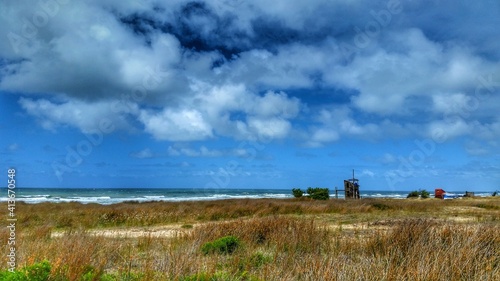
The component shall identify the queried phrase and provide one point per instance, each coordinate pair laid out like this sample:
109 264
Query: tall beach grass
278 240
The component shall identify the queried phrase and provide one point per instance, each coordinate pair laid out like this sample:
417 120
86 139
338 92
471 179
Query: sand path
165 231
176 230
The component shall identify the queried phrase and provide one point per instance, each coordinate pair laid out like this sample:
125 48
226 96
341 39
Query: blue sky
251 94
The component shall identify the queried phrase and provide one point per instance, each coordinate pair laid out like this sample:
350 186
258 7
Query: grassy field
265 239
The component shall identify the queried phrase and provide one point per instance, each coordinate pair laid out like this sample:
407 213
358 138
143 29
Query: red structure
439 193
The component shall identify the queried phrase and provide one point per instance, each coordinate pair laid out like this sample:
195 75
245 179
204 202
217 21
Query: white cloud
143 154
176 124
387 79
249 58
477 149
450 103
448 130
275 104
234 111
84 51
388 159
87 117
321 136
173 152
338 121
269 128
203 151
13 147
368 173
293 66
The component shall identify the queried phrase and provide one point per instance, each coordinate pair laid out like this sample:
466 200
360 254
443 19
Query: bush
424 194
420 193
259 259
224 245
36 272
413 194
297 193
318 193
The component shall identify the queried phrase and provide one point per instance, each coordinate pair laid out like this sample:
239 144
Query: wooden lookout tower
351 187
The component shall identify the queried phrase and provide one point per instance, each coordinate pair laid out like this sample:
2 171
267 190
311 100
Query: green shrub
318 193
36 272
297 193
422 193
224 245
259 259
413 194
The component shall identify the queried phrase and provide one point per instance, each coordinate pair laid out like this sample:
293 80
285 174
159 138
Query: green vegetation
297 193
259 259
318 193
224 245
413 194
35 272
41 271
422 193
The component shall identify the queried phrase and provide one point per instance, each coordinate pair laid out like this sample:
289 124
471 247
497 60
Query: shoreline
115 196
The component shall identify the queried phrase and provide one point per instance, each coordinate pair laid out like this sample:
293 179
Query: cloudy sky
251 94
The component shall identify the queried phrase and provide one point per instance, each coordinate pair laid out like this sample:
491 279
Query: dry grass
76 215
281 240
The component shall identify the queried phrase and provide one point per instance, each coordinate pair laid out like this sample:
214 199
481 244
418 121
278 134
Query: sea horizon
114 195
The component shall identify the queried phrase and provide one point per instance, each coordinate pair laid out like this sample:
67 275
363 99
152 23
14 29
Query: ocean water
108 196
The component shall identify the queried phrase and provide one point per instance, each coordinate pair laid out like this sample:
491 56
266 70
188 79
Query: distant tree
318 193
422 193
413 194
297 193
